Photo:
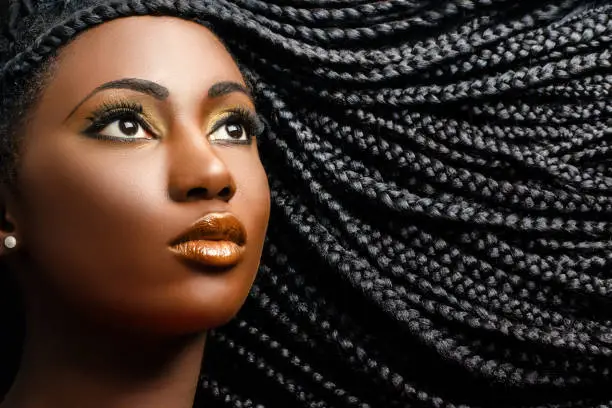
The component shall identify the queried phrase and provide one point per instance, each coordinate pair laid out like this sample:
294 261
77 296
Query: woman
440 231
136 216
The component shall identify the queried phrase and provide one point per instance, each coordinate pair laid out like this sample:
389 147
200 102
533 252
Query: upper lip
214 227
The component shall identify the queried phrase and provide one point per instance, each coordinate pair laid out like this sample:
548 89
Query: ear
8 219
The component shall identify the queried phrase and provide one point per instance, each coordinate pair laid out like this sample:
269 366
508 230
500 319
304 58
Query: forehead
184 56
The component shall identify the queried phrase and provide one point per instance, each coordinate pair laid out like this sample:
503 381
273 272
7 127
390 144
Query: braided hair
440 228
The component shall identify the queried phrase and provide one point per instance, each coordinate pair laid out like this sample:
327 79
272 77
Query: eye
230 131
239 126
120 121
124 128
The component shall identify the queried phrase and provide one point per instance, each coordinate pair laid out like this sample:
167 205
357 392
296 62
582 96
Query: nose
197 172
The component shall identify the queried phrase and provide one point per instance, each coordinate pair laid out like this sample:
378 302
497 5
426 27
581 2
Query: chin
195 314
176 323
188 302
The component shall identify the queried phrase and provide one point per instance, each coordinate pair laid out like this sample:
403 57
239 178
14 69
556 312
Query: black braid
16 10
440 234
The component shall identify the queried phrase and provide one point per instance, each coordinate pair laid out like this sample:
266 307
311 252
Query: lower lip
216 254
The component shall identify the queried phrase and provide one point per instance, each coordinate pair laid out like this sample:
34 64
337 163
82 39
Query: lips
216 240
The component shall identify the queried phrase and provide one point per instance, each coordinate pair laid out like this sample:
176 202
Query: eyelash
253 125
110 112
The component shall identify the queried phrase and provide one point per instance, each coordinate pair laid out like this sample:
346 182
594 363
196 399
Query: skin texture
93 219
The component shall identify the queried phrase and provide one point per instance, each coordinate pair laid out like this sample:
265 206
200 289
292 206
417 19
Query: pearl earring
10 242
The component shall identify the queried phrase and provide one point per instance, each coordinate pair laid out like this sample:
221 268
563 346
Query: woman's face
145 127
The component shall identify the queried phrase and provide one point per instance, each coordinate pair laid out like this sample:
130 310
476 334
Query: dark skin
113 318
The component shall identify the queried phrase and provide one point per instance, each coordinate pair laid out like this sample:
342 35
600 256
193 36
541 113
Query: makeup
237 125
128 115
217 240
233 121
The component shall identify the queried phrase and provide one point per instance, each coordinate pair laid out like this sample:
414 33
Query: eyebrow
226 87
160 92
136 84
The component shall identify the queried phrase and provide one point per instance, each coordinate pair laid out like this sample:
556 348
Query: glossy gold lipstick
215 240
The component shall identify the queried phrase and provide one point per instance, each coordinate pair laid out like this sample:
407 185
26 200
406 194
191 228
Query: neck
98 371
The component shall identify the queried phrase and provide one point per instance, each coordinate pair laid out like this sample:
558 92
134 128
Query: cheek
97 227
252 204
94 222
80 204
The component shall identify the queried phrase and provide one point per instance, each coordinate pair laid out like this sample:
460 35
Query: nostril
225 192
197 193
